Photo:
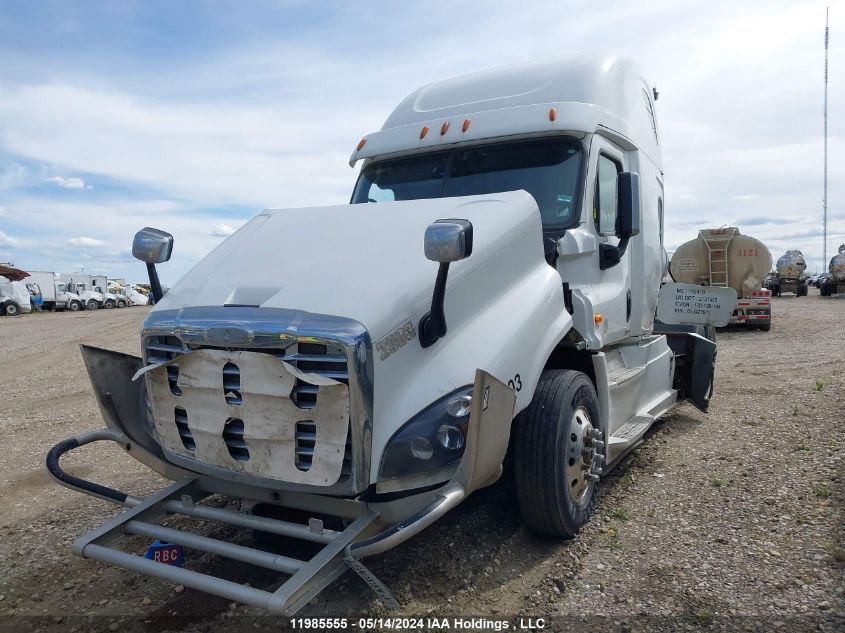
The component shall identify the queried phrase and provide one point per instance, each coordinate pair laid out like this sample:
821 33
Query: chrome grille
323 359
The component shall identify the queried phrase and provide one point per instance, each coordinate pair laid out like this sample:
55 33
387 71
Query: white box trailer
54 292
492 287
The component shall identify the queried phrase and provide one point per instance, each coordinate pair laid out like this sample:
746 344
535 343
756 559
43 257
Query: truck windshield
547 169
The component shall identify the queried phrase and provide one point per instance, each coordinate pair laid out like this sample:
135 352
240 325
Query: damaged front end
300 442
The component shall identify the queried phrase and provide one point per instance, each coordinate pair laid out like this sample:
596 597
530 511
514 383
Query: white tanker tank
726 258
791 264
835 284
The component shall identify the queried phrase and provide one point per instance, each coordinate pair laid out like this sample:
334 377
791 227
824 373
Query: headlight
429 447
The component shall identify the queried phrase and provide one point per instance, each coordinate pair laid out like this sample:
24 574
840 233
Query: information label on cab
695 305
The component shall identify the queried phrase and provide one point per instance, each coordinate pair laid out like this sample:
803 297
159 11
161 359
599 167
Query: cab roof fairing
590 93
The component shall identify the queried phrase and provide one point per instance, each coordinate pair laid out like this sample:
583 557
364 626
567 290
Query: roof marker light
465 126
361 144
552 114
444 127
423 132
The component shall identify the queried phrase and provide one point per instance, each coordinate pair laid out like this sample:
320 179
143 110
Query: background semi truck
725 258
789 275
835 282
54 292
83 285
492 288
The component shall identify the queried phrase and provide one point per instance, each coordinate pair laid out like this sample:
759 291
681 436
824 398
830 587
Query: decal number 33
515 383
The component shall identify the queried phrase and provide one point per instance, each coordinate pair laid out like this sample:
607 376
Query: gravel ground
725 521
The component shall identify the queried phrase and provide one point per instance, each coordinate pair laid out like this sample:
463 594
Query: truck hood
362 261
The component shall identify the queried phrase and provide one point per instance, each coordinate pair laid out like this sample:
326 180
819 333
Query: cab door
611 295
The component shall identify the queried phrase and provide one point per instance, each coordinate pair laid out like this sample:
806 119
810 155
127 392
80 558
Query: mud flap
695 370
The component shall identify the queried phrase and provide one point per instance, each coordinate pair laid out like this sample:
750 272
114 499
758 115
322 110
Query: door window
606 198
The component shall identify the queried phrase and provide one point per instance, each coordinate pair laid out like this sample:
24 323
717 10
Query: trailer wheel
767 324
91 305
558 449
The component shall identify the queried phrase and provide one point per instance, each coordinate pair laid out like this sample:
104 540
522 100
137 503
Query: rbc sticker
166 553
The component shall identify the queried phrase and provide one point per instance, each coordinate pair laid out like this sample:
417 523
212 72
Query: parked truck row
47 290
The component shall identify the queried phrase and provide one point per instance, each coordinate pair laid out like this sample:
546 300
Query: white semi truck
83 285
100 283
491 288
54 292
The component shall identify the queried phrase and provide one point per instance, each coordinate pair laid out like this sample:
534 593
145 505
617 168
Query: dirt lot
725 521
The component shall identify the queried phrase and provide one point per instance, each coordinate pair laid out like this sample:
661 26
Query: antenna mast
824 200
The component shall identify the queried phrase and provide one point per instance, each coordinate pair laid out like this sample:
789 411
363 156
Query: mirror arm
433 325
155 284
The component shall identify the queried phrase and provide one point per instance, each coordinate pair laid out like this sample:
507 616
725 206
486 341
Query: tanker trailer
835 283
726 258
790 274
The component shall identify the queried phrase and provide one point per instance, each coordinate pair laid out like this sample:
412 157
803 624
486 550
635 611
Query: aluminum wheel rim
579 456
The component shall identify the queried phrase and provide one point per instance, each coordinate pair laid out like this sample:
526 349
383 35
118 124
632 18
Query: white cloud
746 196
222 230
85 242
13 175
68 183
8 241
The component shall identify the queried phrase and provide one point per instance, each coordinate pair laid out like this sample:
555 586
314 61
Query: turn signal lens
361 144
552 114
423 132
598 318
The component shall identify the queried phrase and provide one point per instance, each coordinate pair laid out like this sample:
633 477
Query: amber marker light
443 128
552 114
465 125
598 318
361 144
423 132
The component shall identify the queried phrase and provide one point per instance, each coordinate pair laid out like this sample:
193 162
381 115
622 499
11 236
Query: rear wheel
108 305
91 305
558 454
121 303
74 306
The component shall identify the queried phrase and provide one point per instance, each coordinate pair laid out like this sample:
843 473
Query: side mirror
446 241
629 205
152 245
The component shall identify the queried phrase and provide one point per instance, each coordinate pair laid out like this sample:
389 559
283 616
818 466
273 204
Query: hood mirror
152 246
446 241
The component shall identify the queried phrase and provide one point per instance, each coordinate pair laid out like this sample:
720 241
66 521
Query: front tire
12 309
121 303
74 306
558 450
108 305
91 305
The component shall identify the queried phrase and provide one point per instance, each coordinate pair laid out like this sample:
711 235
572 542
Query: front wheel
74 306
91 305
558 454
108 305
121 303
12 309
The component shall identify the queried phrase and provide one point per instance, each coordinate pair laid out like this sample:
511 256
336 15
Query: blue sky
193 116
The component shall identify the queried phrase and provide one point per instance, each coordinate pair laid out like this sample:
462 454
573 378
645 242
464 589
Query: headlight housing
428 448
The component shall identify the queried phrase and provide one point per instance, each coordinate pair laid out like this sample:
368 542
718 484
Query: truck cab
498 269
